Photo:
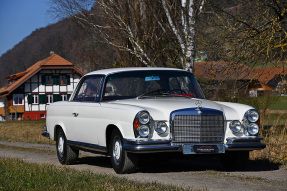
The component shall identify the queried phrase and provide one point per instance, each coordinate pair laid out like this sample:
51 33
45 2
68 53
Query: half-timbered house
28 93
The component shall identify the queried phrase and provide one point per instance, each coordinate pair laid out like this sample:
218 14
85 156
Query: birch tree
156 33
184 27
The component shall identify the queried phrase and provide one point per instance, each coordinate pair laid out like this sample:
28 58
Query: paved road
190 173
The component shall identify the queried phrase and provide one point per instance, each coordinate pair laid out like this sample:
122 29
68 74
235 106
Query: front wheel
122 161
235 160
65 153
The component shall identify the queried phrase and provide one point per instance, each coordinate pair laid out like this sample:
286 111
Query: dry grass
274 132
23 131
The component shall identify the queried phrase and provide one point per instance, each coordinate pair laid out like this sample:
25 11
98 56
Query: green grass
280 105
18 175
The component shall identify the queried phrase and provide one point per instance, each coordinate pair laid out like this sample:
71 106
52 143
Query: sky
19 18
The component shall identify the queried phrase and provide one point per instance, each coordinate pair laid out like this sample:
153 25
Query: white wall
2 102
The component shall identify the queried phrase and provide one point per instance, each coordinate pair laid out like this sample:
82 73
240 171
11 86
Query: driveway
198 173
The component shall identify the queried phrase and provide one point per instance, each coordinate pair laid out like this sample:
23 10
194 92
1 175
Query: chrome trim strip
150 146
87 146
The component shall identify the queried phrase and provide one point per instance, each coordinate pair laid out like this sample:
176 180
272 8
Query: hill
65 38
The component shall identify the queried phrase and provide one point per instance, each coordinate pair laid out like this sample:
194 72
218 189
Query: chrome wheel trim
61 143
117 151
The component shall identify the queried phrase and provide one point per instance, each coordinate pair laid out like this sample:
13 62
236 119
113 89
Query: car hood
161 108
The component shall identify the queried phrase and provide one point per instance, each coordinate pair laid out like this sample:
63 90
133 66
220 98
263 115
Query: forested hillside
66 39
157 33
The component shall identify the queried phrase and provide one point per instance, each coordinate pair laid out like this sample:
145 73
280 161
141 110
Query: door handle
75 114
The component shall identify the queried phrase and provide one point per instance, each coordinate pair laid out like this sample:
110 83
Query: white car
129 111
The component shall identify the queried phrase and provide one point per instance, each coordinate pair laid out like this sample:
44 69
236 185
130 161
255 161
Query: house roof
266 74
53 62
222 71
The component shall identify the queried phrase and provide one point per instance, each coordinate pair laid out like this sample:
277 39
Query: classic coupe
129 112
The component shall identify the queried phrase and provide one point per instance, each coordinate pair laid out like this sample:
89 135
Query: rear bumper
233 144
45 133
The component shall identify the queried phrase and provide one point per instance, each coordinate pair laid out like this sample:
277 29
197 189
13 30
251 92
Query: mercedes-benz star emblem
198 103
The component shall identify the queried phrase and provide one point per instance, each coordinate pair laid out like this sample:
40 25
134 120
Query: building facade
28 93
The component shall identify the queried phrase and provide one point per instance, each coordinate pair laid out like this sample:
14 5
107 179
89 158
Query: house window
35 99
48 80
42 116
49 98
18 99
64 97
63 79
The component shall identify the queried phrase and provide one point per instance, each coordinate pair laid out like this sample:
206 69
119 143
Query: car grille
198 128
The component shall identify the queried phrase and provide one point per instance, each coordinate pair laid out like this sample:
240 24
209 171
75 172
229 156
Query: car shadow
97 160
174 164
199 163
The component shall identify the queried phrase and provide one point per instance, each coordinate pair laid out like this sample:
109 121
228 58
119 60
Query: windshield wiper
155 92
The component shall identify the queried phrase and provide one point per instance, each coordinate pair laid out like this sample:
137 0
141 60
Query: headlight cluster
250 123
142 124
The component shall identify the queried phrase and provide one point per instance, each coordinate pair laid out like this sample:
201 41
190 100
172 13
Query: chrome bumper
246 144
233 144
45 133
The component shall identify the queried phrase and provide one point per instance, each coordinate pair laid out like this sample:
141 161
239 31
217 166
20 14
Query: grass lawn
280 105
23 131
18 175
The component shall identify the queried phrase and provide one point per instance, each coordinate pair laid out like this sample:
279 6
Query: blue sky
19 18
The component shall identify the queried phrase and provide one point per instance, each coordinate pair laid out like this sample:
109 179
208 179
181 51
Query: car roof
117 70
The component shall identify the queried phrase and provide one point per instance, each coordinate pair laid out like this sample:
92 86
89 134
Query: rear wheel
65 153
235 160
122 161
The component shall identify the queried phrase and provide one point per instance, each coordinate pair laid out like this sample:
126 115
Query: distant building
229 78
275 77
28 93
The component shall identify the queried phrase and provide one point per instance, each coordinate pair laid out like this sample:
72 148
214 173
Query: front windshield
145 84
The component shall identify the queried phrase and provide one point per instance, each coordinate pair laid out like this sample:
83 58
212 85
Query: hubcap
117 150
61 146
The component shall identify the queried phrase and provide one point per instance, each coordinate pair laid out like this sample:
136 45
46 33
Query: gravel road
198 173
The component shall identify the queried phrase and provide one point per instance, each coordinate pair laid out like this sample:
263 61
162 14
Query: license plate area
202 149
205 149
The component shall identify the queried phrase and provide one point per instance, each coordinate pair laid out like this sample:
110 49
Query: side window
89 90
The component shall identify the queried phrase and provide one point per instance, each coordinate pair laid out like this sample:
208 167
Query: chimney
52 53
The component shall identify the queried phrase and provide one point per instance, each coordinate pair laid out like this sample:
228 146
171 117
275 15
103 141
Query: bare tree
157 33
183 27
253 31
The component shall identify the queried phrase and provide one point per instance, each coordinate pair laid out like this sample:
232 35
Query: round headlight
253 128
161 127
143 118
143 131
252 116
235 126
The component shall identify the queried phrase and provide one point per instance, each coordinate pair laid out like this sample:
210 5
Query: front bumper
244 144
233 144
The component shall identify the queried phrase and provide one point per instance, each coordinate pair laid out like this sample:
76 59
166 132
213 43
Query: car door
86 110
